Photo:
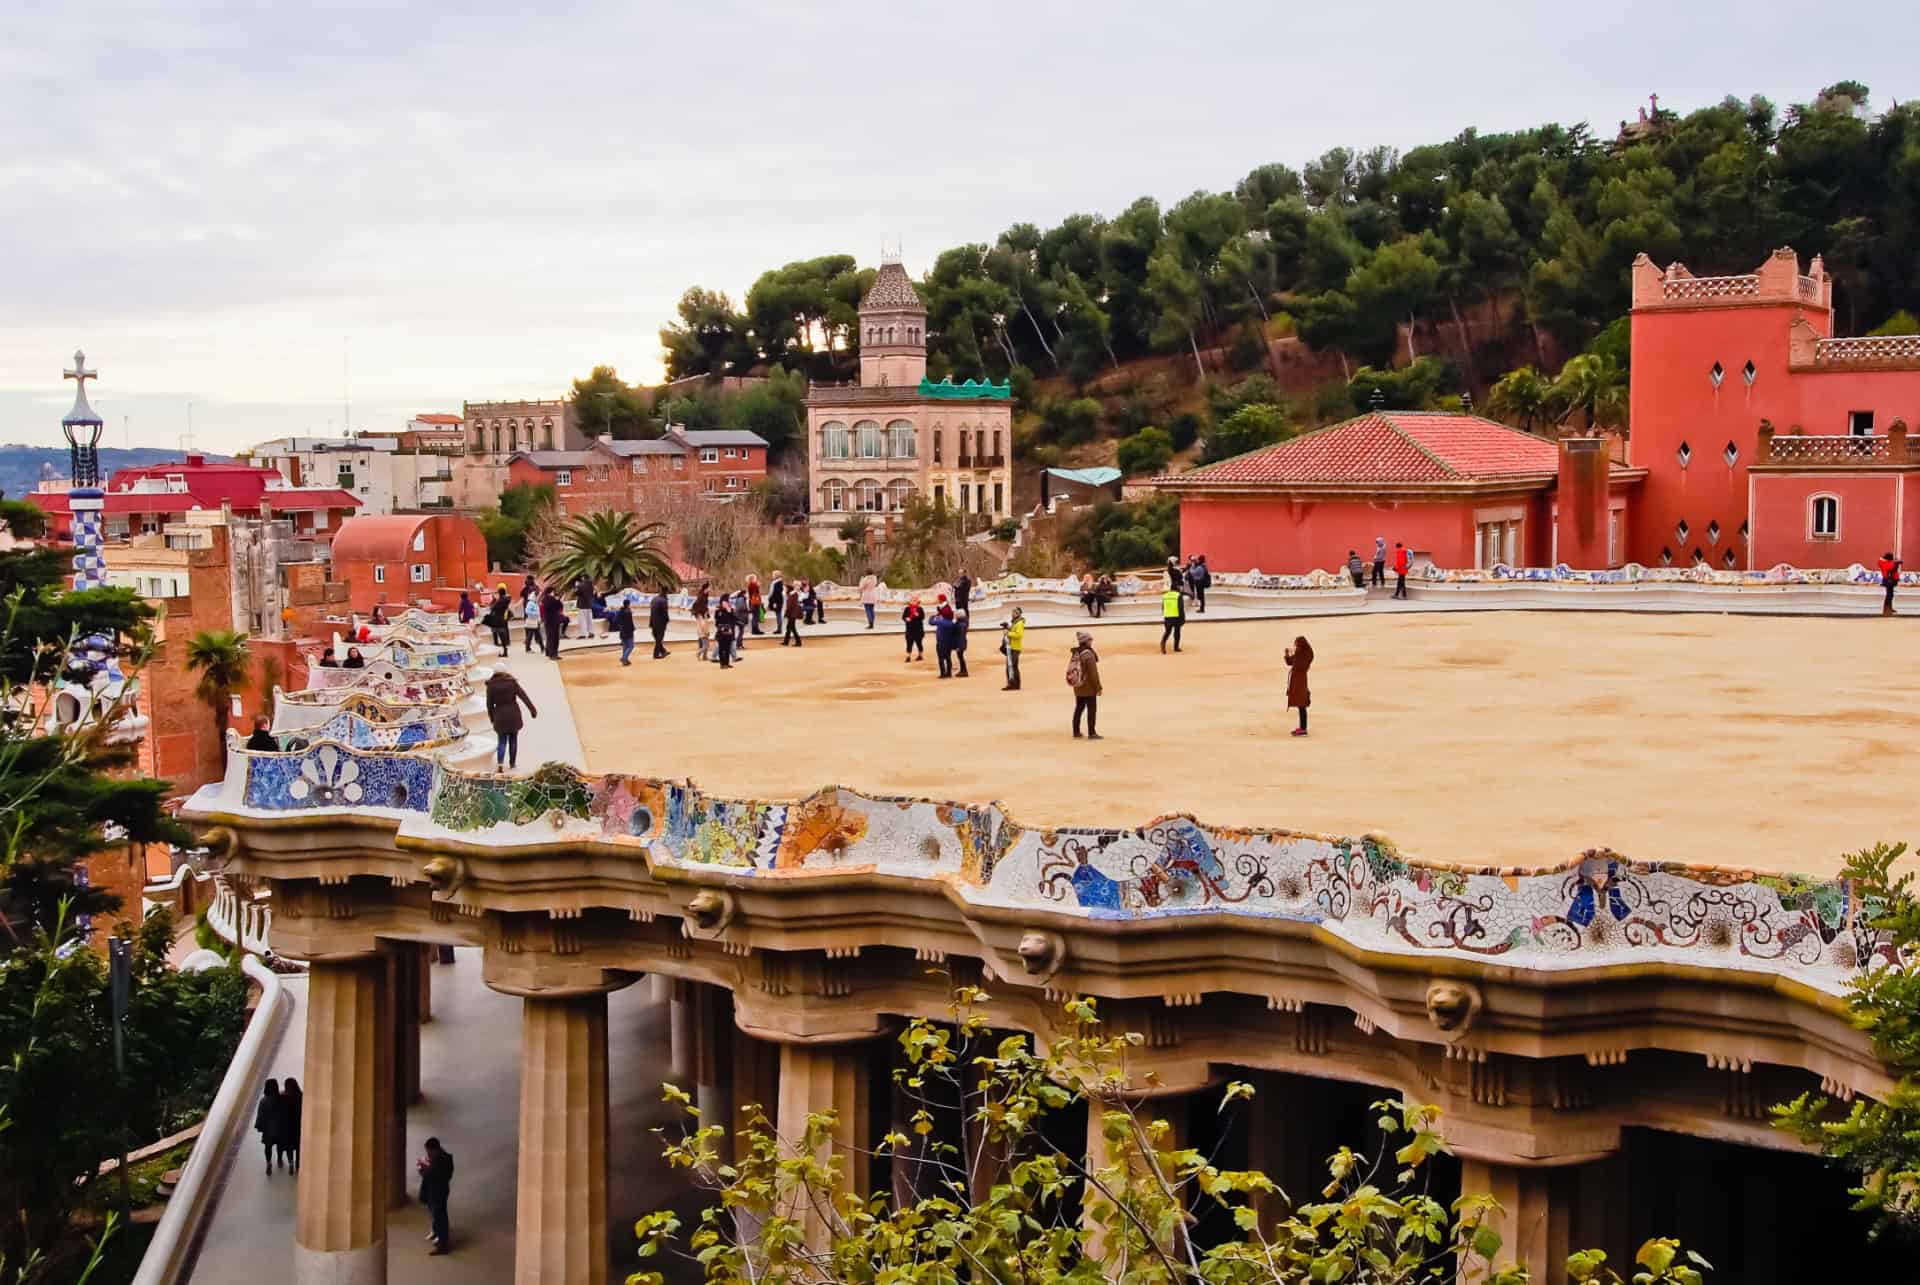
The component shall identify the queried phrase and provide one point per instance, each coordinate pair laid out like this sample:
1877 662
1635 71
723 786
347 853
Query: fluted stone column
1535 1212
816 1078
1290 1135
680 1033
407 974
712 1032
340 1228
561 1235
392 1044
425 967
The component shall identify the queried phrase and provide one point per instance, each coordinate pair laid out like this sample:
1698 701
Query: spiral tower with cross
82 427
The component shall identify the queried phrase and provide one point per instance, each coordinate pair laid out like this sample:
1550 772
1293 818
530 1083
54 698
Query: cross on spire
81 412
80 373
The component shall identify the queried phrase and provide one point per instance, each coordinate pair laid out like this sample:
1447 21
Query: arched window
889 334
899 491
900 440
938 433
834 444
547 426
867 495
1823 517
833 495
867 442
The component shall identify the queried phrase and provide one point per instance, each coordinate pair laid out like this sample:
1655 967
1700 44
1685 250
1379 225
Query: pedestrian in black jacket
436 1185
270 1121
657 625
623 627
725 622
291 1100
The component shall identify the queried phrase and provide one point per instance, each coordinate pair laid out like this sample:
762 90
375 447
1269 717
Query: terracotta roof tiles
1388 447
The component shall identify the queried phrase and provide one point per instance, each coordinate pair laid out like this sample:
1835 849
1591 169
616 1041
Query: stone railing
391 682
1633 573
243 921
434 726
1710 287
1868 351
302 711
1595 911
1827 448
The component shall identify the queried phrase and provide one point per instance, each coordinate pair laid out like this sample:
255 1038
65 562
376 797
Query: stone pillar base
364 1266
561 1225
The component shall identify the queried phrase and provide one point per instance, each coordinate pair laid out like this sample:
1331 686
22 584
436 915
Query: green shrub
1146 452
1184 430
1115 537
1248 429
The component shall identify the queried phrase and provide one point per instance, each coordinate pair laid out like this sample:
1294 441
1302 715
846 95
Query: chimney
195 461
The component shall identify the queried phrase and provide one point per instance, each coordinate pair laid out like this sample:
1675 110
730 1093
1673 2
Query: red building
717 464
1458 490
1765 439
142 500
405 558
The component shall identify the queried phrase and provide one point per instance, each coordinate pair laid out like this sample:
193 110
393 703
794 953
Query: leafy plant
1005 1203
613 550
1146 452
221 658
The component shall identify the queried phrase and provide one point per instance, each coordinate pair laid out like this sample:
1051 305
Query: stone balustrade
1868 352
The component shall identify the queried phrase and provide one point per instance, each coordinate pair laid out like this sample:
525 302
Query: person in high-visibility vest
1013 638
1173 614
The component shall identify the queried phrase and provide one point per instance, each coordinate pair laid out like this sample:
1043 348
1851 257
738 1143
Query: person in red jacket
1402 561
1889 577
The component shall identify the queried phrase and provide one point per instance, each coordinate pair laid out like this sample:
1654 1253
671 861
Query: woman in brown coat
1083 675
1299 659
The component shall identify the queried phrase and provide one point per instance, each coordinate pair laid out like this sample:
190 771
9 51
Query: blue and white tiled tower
82 428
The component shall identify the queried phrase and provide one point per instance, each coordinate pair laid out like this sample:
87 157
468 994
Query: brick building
403 559
492 432
713 464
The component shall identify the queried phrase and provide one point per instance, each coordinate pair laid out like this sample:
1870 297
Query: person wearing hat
914 618
1083 675
505 695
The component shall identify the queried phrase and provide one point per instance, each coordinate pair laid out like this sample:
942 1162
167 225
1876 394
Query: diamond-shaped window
1680 532
1713 531
1746 529
1717 374
1699 555
1666 557
1731 454
1684 454
1749 374
1726 559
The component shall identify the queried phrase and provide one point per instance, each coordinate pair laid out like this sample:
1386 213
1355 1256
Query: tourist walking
777 597
1889 580
1357 569
1173 616
1013 636
1380 561
1299 659
530 620
622 623
1198 578
270 1120
962 594
505 695
496 619
742 617
657 623
961 625
1083 675
792 632
552 617
703 622
914 619
436 1185
946 628
869 596
755 608
725 621
291 1104
1402 561
467 611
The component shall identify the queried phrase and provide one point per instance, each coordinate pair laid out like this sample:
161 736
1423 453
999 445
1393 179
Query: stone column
425 967
712 1031
816 1078
561 1217
1290 1135
392 1042
340 1228
407 975
1171 1108
680 1032
1535 1213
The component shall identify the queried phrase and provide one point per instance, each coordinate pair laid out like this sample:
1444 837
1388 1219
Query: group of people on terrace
1402 560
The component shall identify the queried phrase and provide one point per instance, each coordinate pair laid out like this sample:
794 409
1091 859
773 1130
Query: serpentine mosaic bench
1598 910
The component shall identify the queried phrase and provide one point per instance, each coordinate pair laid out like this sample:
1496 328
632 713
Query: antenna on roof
1377 400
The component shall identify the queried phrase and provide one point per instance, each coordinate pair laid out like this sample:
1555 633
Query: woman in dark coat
1299 660
291 1100
270 1120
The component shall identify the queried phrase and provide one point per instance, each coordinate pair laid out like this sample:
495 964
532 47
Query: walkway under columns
470 1082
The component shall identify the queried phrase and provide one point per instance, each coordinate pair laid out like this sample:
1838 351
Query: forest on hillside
1349 248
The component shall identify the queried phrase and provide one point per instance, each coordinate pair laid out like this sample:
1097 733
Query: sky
275 219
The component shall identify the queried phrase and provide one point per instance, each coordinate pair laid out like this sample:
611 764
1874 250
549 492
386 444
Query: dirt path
1486 738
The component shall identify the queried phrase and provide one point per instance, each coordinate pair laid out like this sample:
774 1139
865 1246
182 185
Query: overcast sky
264 210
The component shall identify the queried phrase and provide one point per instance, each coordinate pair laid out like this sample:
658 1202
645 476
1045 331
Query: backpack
1075 673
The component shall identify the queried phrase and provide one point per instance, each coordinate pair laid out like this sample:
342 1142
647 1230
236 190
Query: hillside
22 467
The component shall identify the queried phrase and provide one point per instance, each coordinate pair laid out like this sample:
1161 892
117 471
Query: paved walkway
470 1077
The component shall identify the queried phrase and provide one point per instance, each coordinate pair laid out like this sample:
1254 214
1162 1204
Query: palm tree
1594 386
220 656
1524 394
615 551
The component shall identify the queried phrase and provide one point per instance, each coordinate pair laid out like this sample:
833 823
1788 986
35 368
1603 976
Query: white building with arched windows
873 446
495 431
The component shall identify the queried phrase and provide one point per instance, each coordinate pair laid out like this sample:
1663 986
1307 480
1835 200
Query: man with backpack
1198 578
1083 675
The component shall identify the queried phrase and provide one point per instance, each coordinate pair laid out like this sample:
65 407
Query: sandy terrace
1486 738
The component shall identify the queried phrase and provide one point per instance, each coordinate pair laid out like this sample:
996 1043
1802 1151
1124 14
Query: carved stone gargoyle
1452 1006
709 911
1042 953
445 873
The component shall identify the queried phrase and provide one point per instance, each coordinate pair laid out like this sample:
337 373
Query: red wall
455 550
1674 400
1283 538
1873 513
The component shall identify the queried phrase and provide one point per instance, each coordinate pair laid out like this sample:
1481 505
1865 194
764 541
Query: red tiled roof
1389 447
285 500
439 419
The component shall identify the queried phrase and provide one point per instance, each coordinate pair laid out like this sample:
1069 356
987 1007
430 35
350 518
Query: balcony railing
1837 448
981 461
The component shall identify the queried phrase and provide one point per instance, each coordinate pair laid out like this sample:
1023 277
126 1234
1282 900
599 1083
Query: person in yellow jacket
1013 636
1173 614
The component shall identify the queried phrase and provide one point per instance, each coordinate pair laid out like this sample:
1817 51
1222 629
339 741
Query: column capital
552 956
